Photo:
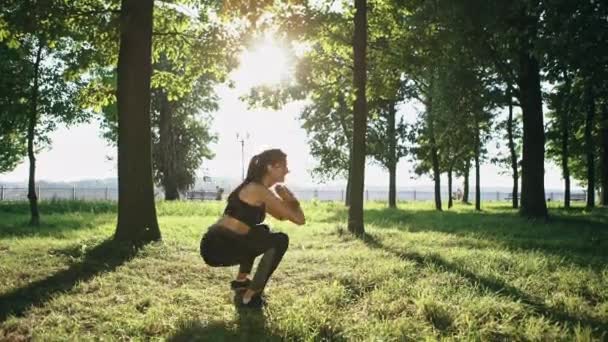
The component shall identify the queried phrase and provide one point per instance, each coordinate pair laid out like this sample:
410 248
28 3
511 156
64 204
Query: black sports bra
249 214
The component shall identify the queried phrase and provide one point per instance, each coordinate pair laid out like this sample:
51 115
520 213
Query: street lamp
240 137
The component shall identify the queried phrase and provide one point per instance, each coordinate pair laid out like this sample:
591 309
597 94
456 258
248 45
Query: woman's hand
285 194
282 204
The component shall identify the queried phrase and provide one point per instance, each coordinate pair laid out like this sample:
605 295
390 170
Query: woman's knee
281 241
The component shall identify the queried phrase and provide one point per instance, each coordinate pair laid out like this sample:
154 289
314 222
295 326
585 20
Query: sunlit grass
418 274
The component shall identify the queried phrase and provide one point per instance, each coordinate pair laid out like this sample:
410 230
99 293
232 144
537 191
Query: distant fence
111 194
65 193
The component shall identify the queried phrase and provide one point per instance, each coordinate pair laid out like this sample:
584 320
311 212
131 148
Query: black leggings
221 246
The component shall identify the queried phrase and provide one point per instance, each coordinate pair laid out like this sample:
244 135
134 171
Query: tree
589 103
425 151
385 130
574 27
508 33
47 50
181 141
191 54
604 152
12 88
464 100
512 134
323 76
572 139
422 63
137 222
560 132
328 125
387 88
465 174
355 211
12 149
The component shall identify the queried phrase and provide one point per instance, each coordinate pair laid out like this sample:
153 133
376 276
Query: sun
266 63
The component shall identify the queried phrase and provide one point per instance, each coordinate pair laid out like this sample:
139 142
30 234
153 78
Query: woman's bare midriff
233 224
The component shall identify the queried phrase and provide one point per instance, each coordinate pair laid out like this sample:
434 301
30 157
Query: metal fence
111 194
72 193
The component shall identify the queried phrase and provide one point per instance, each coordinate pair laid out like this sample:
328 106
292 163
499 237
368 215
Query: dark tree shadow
494 285
578 238
104 257
249 325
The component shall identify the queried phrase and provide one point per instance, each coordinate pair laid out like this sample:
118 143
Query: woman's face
277 171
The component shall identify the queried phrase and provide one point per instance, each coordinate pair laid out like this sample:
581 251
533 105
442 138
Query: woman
238 237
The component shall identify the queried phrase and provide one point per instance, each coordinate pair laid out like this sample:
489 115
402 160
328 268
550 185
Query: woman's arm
287 207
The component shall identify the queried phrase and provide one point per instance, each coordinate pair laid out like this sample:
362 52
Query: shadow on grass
104 257
579 237
250 325
494 285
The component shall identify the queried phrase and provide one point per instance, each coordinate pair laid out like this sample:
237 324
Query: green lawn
418 275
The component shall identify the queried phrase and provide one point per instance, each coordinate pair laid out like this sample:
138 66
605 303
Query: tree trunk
167 148
349 184
137 222
533 202
465 194
589 146
450 200
437 179
349 139
392 185
477 168
31 132
604 155
565 127
392 161
434 157
355 211
514 168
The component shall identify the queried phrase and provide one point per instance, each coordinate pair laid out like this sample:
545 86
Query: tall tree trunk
465 194
137 222
437 179
31 132
589 146
349 185
450 200
477 166
167 148
604 155
392 184
392 161
514 168
533 202
434 156
347 133
565 113
355 211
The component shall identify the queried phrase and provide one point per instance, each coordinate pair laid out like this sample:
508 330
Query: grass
417 275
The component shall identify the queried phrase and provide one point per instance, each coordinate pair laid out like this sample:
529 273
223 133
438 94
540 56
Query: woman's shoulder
254 193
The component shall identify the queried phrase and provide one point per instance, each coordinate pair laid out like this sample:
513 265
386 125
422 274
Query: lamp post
240 137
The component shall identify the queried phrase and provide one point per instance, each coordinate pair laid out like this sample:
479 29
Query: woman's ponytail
258 166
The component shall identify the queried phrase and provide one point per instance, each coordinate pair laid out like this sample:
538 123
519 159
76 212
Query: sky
79 152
